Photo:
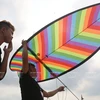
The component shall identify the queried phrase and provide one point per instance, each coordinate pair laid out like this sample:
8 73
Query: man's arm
52 93
3 66
25 66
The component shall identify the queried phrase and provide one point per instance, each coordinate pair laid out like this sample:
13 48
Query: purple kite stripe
60 60
69 27
46 41
96 13
17 57
83 45
97 24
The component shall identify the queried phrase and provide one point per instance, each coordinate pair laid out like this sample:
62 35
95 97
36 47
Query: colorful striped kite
64 44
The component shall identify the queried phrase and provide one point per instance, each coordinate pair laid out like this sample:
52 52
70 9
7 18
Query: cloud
10 78
9 92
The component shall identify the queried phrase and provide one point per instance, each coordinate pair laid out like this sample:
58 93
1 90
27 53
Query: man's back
30 90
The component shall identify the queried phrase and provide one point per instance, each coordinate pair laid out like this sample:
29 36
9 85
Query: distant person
30 89
6 35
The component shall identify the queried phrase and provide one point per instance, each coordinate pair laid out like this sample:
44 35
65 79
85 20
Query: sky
29 16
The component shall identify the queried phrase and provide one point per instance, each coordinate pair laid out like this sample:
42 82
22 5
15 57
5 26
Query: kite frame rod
67 88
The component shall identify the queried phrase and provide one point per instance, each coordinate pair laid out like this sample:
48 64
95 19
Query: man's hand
9 49
24 43
61 88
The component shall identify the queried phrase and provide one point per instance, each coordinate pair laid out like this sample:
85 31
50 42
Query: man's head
6 31
32 70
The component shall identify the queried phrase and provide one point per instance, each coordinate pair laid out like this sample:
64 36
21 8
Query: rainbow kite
62 45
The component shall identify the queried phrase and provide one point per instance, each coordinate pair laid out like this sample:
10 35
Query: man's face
32 71
8 35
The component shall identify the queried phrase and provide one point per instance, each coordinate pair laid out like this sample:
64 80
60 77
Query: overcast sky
28 16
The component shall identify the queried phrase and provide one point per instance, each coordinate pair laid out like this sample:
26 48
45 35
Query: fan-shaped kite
62 45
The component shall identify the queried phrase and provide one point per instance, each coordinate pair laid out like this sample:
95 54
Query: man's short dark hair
6 24
31 64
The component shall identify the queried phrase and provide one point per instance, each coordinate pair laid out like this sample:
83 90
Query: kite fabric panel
62 45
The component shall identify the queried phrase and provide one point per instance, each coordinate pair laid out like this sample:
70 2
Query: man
6 35
30 89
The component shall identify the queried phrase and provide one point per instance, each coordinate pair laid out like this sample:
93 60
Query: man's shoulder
21 74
